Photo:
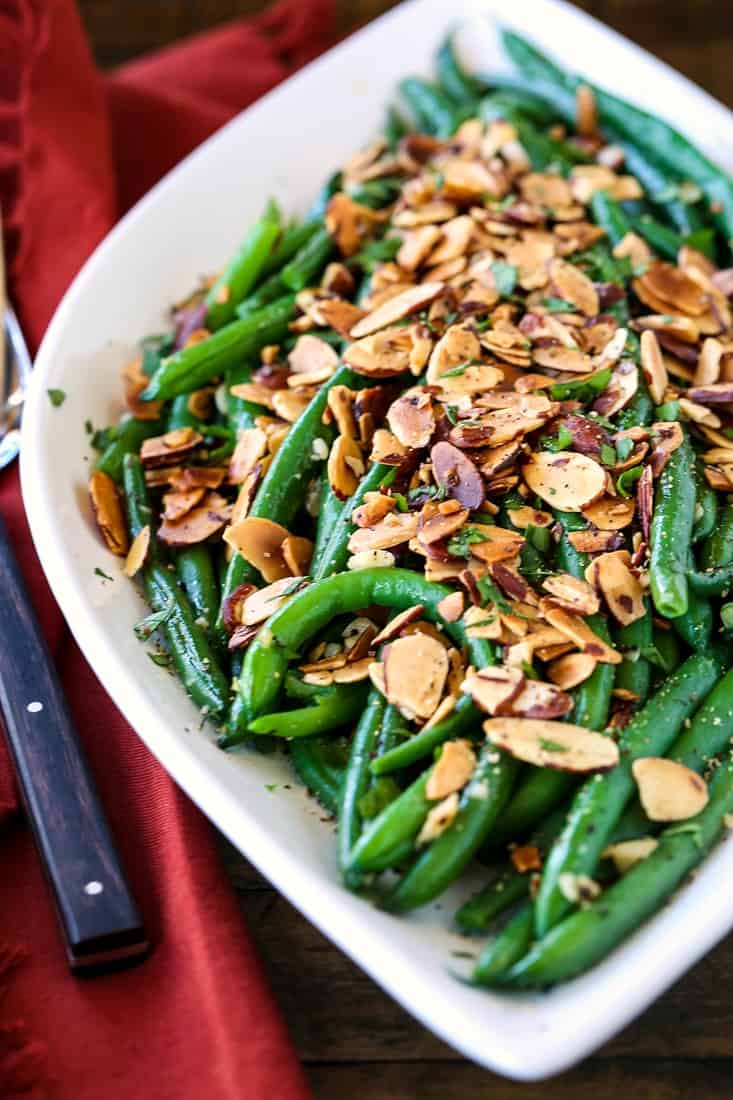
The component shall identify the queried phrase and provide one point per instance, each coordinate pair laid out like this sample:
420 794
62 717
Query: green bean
271 290
335 552
601 799
706 506
196 365
509 885
329 511
310 609
313 759
395 128
432 109
541 149
389 838
453 79
130 435
195 569
696 625
712 582
309 261
461 720
663 240
330 712
356 782
667 648
297 688
446 857
294 237
717 549
241 414
586 936
610 216
671 531
192 656
180 415
243 271
634 673
507 948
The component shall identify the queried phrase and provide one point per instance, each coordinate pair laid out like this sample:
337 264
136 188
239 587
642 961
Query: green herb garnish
56 397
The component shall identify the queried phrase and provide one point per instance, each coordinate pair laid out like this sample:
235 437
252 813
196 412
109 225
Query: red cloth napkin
195 1020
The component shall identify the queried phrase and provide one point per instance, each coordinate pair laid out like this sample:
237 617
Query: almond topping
169 449
297 552
201 523
453 769
415 670
411 418
397 624
178 504
438 820
579 632
669 791
494 688
572 594
382 355
708 364
138 552
345 466
572 669
259 541
260 604
525 516
393 530
611 513
620 587
556 745
407 302
627 853
457 475
108 512
450 607
565 480
653 366
251 446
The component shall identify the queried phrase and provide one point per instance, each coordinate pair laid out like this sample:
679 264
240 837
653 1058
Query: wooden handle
99 919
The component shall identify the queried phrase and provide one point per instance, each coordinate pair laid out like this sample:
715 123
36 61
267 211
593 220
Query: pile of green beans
367 763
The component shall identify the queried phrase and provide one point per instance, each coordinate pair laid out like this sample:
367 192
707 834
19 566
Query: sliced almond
611 513
572 593
457 347
450 608
415 671
416 246
297 553
556 745
557 357
397 624
138 552
627 853
708 364
201 523
438 820
169 449
455 238
579 632
497 545
387 449
457 475
593 542
539 700
493 688
393 530
260 604
402 305
345 466
411 418
436 524
374 507
107 507
251 446
352 672
179 503
312 359
524 517
340 315
653 367
620 587
371 559
619 391
482 622
572 669
565 480
259 541
453 769
349 222
669 791
570 283
381 355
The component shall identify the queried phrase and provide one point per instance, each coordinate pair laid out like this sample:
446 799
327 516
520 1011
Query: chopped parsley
529 671
608 454
559 442
452 413
401 501
455 372
151 622
558 305
490 594
56 397
163 660
669 410
547 745
505 277
101 573
582 389
460 545
626 481
624 447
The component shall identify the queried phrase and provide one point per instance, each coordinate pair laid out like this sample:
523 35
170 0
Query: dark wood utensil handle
99 918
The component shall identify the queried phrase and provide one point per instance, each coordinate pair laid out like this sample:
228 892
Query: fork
100 923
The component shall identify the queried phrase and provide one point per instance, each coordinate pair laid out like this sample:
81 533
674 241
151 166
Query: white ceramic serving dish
285 146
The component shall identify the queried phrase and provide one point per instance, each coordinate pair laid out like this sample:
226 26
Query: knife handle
99 919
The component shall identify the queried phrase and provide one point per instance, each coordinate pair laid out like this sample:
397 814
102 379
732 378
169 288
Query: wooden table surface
352 1038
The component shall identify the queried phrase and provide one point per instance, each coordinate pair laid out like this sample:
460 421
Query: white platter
285 146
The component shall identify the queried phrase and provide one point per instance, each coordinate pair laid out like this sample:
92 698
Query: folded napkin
196 1019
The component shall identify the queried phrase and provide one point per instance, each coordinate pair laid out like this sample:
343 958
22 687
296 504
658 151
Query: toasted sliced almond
572 669
611 513
594 542
415 671
708 364
178 504
259 541
312 358
457 475
261 603
570 283
402 305
669 791
620 587
453 769
416 246
524 517
627 853
549 744
387 449
619 391
557 357
436 524
539 700
450 607
297 552
169 449
251 446
397 624
349 222
579 632
493 688
438 820
482 622
565 480
411 418
456 235
201 523
393 530
345 466
497 545
371 559
572 593
653 367
108 512
138 552
457 347
381 355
